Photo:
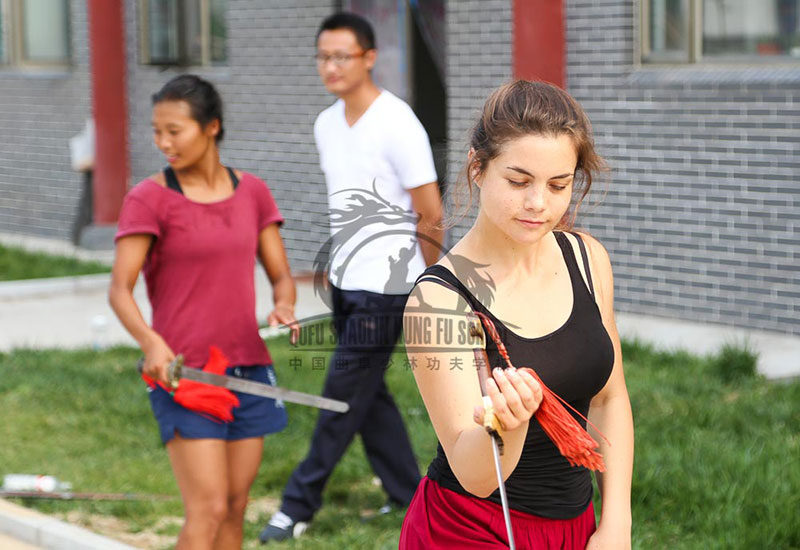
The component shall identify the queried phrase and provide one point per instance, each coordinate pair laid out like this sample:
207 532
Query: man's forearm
430 237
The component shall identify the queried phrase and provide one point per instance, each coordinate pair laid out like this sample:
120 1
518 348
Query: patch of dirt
118 529
732 397
258 510
261 509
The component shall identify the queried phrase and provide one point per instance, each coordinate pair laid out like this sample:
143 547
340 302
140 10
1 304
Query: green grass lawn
16 263
717 463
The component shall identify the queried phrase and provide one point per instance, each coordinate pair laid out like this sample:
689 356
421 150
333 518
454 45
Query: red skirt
441 519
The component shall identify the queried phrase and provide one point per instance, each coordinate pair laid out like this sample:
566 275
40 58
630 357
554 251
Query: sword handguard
490 422
174 371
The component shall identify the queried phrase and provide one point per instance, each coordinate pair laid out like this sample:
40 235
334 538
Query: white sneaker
282 527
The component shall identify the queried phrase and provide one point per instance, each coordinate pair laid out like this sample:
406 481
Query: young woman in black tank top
549 292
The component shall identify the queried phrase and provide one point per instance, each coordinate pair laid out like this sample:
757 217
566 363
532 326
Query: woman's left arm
272 254
611 412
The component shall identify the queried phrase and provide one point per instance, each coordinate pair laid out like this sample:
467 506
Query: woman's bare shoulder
598 255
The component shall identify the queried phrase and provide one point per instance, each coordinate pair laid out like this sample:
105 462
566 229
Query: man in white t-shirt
385 212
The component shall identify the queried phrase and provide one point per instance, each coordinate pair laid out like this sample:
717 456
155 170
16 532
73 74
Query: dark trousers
367 326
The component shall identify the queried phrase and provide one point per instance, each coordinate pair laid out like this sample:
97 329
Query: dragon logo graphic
364 208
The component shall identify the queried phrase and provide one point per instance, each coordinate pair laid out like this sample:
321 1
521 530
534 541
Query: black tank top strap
172 179
234 179
572 263
442 276
585 258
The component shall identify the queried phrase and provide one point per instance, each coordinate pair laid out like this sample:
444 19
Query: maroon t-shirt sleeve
268 212
137 215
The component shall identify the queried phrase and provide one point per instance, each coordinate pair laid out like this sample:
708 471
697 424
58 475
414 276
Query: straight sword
67 495
177 371
490 422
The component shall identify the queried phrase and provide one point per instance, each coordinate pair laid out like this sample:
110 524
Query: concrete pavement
25 529
778 354
73 312
7 543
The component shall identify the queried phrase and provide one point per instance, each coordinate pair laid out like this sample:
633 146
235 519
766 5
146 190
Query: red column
539 51
109 108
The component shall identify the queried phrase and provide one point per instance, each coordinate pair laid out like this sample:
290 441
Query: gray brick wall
478 60
701 215
39 111
272 95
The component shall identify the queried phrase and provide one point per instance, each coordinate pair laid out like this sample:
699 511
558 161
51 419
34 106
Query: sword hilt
174 370
490 422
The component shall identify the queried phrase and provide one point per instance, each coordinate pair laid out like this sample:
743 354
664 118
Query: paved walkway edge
38 529
778 354
53 286
56 247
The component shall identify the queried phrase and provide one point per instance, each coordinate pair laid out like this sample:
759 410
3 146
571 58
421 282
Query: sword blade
503 496
264 390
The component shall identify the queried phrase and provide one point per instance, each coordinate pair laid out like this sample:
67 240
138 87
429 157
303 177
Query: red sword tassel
209 400
572 441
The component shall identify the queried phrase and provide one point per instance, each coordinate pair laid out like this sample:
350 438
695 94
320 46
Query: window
183 32
34 32
690 31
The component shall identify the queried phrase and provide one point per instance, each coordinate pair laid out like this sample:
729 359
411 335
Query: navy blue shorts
254 417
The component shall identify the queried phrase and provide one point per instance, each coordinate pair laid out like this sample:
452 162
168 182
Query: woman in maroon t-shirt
195 231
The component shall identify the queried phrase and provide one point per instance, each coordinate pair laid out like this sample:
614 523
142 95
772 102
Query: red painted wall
539 50
109 108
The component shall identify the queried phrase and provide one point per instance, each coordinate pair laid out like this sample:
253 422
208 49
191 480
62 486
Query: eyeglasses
339 59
